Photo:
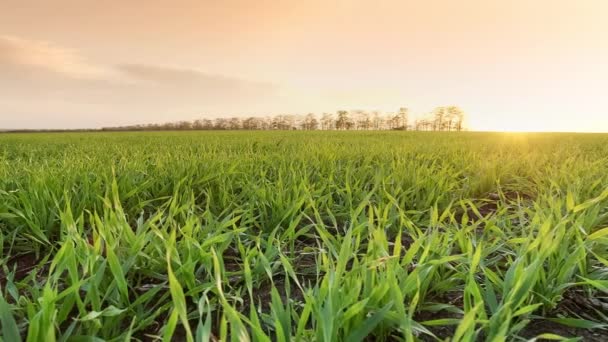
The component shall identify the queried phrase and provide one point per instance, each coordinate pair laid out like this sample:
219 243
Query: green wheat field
303 236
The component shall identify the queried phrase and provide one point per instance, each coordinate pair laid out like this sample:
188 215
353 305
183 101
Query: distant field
325 236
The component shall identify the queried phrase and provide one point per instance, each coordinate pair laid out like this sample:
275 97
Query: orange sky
512 65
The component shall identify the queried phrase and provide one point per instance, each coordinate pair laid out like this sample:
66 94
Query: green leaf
466 324
569 201
203 330
369 324
84 338
177 293
110 311
10 330
548 336
527 309
601 285
591 202
578 323
118 274
598 234
441 322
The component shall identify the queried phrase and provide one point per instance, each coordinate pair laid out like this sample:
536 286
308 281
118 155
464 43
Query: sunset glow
511 65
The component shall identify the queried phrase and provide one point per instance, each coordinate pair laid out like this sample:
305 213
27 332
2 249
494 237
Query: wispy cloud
39 77
23 54
182 82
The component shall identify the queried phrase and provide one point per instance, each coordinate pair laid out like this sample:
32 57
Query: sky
516 65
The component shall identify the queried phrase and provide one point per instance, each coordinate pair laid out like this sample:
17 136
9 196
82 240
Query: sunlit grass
332 236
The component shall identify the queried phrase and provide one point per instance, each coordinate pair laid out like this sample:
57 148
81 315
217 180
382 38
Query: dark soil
538 327
22 264
490 204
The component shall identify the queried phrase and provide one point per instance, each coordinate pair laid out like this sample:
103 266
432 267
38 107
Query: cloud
182 82
40 80
30 60
173 75
22 55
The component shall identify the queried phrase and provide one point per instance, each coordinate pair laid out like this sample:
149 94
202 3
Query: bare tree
278 122
207 124
343 120
184 125
456 117
439 115
393 120
327 121
377 121
234 123
290 122
310 122
266 123
197 124
403 115
283 122
252 123
220 123
362 120
449 118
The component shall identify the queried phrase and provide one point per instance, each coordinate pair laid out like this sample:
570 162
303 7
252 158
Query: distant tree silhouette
403 116
310 122
450 118
455 117
253 123
234 123
327 121
377 121
283 122
221 123
343 120
439 115
361 120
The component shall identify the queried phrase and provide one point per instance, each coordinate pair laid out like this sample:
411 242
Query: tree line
450 118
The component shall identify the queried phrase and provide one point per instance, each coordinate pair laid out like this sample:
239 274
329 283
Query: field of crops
324 236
